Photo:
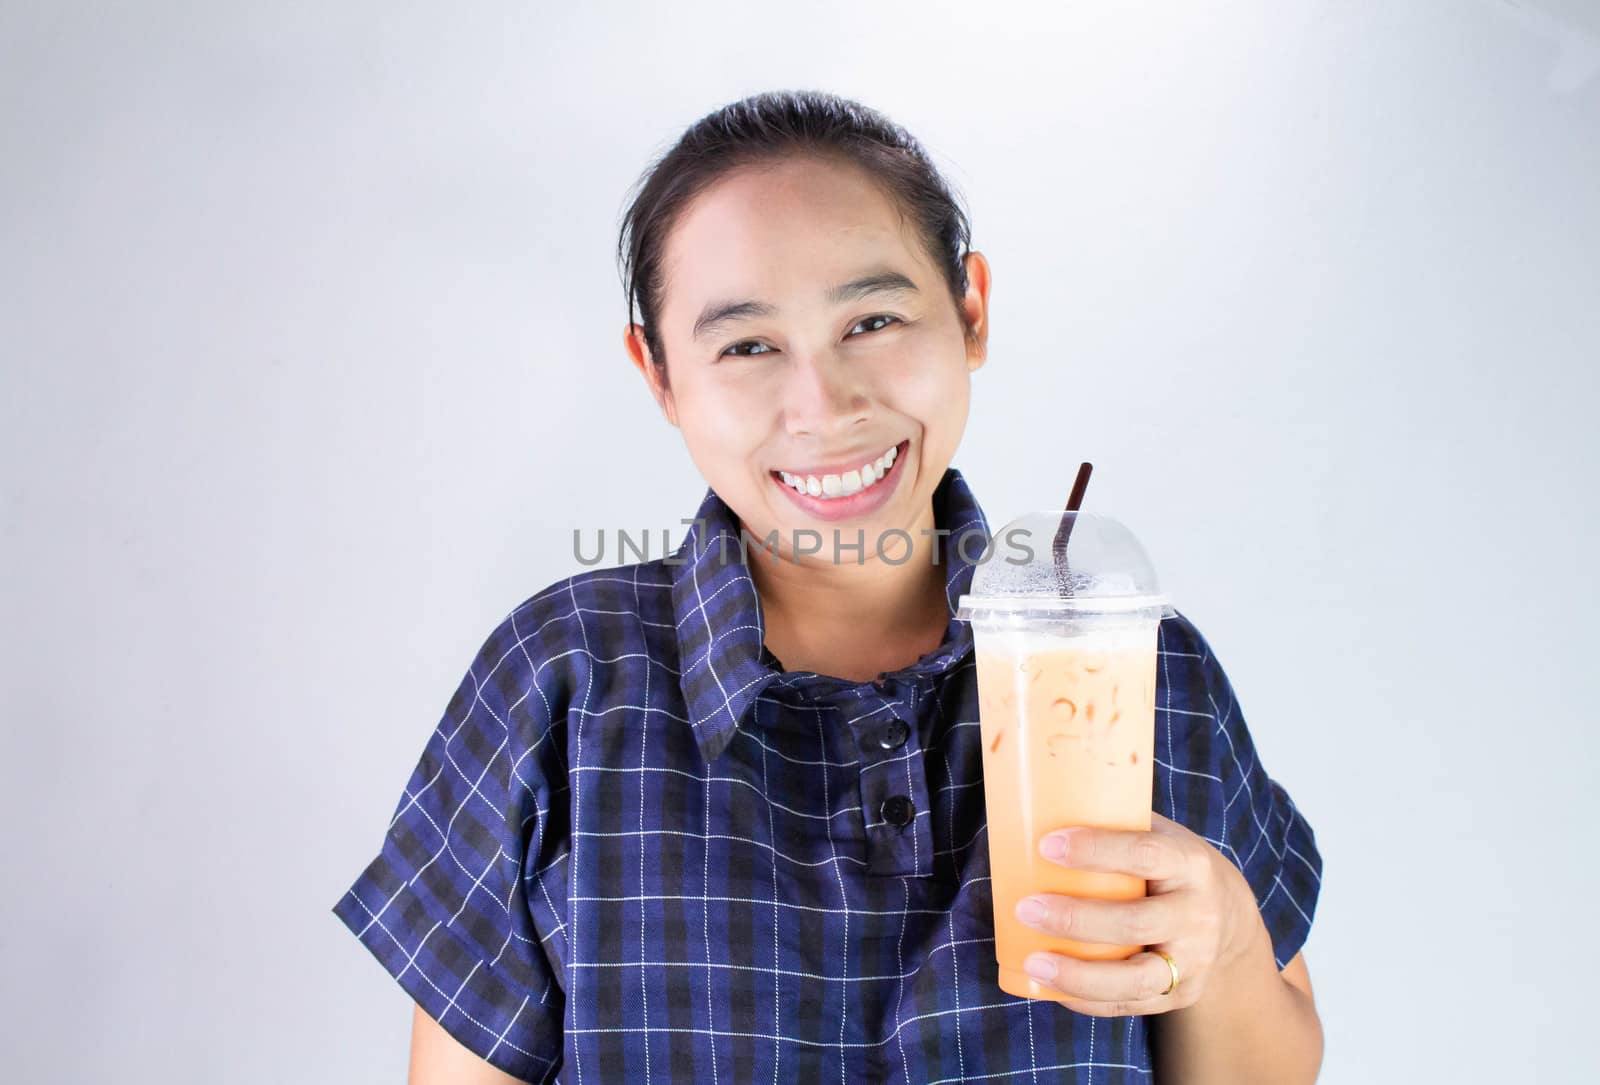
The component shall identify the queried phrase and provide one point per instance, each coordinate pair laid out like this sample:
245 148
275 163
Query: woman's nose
824 397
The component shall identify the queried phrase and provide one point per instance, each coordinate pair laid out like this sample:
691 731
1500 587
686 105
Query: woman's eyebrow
716 314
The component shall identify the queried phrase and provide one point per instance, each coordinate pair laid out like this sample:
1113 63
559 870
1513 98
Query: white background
312 341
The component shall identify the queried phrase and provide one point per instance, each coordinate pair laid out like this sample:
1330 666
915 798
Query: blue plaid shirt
637 849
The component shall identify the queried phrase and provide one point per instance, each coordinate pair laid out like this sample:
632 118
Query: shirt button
894 735
897 811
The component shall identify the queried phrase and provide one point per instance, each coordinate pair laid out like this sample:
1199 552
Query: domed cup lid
1026 573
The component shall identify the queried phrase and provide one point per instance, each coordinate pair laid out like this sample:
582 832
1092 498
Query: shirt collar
723 665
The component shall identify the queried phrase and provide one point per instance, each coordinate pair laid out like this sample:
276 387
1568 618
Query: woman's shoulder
1188 668
598 602
563 601
1180 634
561 633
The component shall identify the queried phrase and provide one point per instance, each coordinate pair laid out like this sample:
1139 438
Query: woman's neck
854 619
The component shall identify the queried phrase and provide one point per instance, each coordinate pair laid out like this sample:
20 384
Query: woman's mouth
847 490
843 484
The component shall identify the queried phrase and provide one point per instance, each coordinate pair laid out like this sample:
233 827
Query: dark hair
770 126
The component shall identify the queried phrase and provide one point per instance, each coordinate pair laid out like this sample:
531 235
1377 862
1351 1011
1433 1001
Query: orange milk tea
1068 724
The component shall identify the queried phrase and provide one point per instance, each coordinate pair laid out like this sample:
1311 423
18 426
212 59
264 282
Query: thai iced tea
1067 718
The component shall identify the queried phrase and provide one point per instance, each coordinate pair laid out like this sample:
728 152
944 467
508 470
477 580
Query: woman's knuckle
1146 856
1142 923
1065 919
1151 985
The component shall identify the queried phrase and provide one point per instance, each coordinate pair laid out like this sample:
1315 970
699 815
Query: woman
718 816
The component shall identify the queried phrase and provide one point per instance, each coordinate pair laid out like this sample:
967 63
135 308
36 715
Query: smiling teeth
851 482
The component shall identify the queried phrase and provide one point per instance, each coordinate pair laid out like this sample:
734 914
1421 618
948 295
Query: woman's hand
1199 909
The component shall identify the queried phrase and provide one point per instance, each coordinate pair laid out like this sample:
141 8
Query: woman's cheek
936 391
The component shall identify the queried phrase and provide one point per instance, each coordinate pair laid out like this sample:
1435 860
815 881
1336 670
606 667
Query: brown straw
1068 518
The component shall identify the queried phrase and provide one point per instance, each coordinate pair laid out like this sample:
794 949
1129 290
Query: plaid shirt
637 849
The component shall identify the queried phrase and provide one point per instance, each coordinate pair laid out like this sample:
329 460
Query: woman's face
817 366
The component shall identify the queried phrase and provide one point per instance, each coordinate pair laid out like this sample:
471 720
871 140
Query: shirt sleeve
445 906
1220 789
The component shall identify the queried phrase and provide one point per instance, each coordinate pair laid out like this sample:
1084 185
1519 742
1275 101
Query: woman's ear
654 375
975 307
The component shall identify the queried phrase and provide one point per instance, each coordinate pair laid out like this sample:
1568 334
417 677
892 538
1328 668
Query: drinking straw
1068 518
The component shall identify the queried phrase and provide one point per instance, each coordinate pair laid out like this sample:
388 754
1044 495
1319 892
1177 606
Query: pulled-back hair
768 127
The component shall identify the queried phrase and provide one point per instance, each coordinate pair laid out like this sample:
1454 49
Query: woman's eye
737 350
880 316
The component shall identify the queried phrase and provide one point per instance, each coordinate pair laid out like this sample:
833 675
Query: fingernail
1030 911
1054 846
1040 968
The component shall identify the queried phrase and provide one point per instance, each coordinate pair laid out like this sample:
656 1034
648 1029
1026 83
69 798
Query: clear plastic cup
1066 662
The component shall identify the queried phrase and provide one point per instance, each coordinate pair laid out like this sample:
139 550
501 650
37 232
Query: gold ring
1171 967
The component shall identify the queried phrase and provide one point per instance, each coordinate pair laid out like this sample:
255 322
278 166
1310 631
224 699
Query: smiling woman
699 818
808 264
839 337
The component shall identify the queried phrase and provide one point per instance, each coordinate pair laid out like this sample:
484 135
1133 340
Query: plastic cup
1065 648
